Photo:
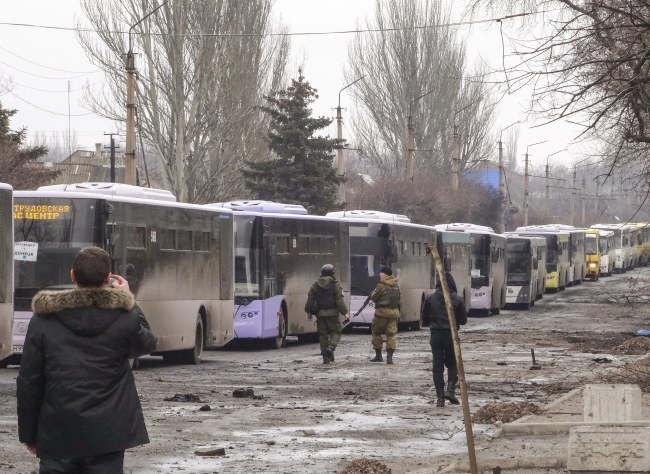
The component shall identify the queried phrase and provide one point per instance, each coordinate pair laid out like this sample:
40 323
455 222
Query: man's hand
346 318
31 448
117 281
310 317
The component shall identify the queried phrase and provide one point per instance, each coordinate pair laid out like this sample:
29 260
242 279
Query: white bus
6 274
176 257
607 251
279 251
455 250
557 255
488 255
526 276
380 238
623 243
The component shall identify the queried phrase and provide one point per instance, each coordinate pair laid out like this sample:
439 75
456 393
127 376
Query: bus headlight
592 265
249 314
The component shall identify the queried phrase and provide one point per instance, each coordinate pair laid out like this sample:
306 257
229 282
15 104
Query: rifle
365 303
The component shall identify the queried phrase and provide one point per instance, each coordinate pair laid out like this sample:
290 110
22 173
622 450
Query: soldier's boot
450 393
378 357
327 357
332 355
389 356
441 397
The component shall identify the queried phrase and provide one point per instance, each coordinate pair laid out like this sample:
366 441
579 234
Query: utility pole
500 220
547 200
526 179
129 153
597 198
526 182
546 191
410 147
340 159
582 217
502 187
573 187
455 159
112 148
340 164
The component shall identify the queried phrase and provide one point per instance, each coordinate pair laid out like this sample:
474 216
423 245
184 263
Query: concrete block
609 449
606 402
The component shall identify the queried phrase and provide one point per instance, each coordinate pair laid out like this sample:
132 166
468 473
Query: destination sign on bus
43 212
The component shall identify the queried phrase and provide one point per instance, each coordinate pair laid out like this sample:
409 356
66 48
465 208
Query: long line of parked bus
207 274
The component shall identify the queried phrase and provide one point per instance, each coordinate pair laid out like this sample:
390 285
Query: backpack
324 298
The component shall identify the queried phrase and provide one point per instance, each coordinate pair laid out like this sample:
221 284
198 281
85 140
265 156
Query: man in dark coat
78 407
434 315
325 301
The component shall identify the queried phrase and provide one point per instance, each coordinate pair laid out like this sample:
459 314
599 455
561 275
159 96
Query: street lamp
340 163
500 220
526 178
129 153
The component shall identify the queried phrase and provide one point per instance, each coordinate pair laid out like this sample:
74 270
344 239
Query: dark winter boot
332 355
378 357
327 357
389 356
441 398
450 393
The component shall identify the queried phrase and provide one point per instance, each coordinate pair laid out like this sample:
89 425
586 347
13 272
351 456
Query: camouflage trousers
329 332
381 326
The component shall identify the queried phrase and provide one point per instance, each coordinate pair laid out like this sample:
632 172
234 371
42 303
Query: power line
46 77
47 67
303 33
45 110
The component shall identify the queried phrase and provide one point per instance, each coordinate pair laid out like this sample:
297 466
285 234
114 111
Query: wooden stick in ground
469 433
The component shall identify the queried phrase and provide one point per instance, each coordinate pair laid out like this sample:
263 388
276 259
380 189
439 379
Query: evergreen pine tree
19 165
300 170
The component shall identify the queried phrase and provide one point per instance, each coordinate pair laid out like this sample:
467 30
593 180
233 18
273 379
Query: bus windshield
48 233
590 245
480 255
519 261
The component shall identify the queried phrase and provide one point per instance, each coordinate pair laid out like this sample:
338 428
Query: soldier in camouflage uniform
386 297
326 302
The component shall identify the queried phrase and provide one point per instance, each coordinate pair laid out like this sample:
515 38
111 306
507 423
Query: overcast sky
49 69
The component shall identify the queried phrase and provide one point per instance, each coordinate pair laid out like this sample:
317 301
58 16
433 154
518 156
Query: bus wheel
193 356
279 341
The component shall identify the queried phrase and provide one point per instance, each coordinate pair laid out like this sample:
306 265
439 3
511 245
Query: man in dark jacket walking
434 315
325 301
78 407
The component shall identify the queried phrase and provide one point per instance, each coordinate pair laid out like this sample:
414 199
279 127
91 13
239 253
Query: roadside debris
211 452
505 412
184 397
366 466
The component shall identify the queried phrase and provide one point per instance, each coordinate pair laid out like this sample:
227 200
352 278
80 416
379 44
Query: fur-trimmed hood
86 311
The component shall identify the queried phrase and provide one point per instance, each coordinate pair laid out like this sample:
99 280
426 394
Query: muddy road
301 416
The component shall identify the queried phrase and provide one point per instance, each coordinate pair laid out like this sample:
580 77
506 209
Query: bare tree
204 67
587 61
416 70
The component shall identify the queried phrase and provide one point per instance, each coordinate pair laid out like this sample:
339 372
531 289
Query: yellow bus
643 242
592 253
